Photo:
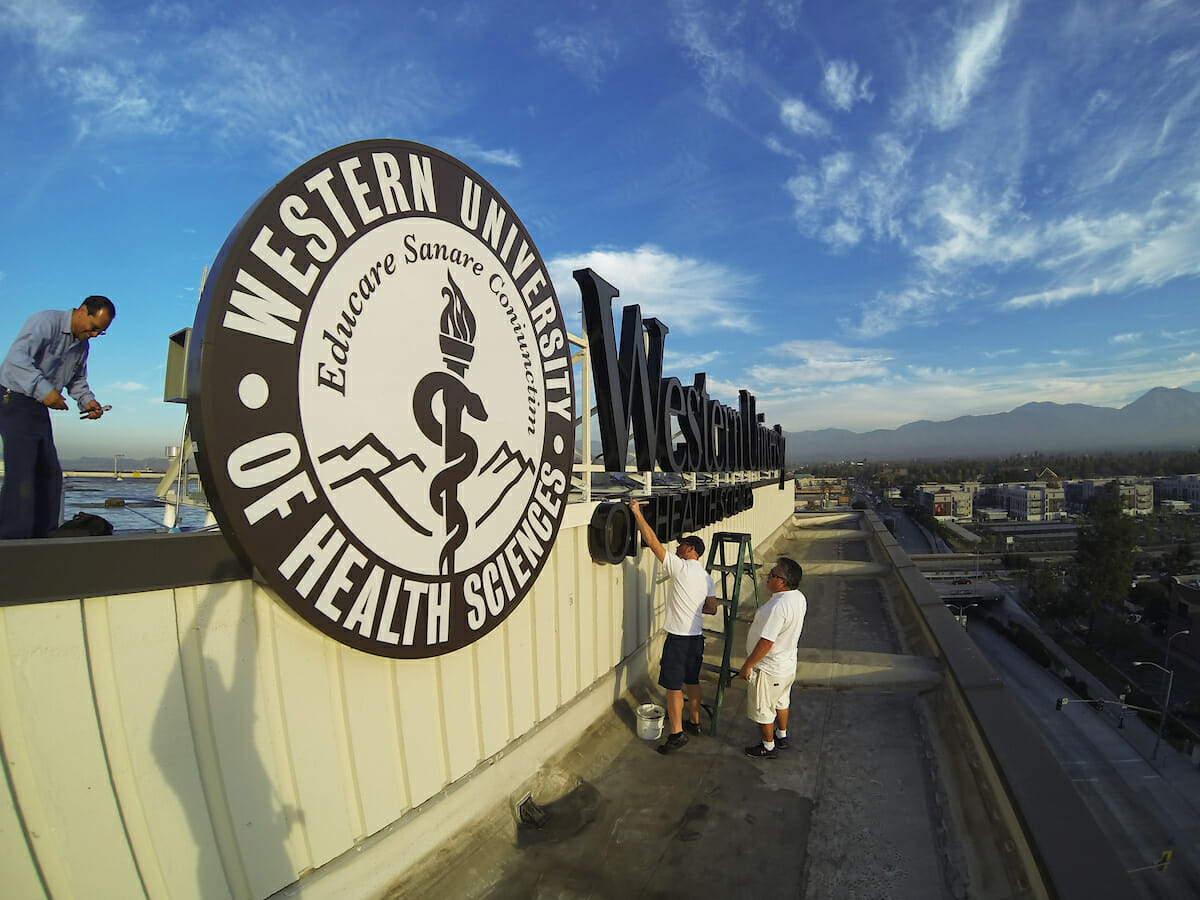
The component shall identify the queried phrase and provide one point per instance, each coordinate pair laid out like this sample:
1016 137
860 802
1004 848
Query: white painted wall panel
459 711
16 862
74 823
311 696
423 746
140 697
249 763
245 749
521 664
494 683
373 731
545 647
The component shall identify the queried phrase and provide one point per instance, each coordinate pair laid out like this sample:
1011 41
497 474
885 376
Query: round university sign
380 390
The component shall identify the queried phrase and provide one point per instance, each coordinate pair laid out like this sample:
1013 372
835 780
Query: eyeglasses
773 574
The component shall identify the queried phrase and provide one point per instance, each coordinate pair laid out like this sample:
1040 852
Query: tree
1045 591
1104 554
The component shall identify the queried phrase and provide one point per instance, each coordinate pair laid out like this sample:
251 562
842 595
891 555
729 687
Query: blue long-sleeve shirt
47 357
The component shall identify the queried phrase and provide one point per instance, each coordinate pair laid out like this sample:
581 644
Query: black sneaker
693 728
781 741
758 751
673 743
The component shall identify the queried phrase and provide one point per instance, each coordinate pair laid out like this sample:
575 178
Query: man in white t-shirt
683 650
770 664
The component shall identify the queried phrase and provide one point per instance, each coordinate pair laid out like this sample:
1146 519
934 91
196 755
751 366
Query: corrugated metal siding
206 742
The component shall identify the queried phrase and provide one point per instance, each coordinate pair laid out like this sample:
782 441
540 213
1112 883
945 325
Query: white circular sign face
445 443
385 403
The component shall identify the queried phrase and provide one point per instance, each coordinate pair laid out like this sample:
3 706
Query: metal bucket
650 721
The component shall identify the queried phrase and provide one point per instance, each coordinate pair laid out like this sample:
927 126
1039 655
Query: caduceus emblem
460 452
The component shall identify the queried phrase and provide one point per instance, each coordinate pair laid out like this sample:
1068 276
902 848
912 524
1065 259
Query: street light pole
1167 656
1162 720
961 614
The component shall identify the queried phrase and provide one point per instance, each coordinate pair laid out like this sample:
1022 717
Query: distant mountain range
1162 418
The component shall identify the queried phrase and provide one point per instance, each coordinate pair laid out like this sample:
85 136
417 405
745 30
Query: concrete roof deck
874 798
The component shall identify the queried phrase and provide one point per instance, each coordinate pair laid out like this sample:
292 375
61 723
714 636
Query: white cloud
802 119
584 50
127 386
841 235
777 146
1132 337
719 66
812 362
973 228
944 97
786 13
892 310
844 198
51 25
673 362
471 151
690 295
1127 250
842 86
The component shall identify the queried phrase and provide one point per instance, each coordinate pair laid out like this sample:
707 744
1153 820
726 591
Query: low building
1137 494
1184 489
948 502
1031 502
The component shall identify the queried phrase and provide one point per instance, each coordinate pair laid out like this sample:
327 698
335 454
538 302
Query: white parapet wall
206 742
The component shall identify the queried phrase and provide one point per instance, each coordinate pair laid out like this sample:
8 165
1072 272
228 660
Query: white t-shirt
690 584
781 620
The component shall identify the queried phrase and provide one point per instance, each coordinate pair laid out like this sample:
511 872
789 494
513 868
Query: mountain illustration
509 467
371 461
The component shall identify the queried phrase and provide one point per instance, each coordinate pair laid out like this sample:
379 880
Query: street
1144 808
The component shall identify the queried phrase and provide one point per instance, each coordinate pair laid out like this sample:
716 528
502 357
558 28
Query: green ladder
721 559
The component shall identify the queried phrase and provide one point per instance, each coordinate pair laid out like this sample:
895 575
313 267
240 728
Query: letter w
261 311
626 388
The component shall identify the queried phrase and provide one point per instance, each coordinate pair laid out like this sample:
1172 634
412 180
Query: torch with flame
457 328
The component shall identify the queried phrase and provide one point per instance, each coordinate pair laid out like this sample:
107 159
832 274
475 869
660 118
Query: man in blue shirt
48 357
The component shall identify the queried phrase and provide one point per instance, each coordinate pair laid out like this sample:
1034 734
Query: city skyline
866 214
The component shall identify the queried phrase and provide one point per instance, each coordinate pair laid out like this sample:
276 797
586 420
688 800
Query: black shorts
681 659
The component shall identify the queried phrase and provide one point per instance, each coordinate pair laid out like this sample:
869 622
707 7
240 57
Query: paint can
650 721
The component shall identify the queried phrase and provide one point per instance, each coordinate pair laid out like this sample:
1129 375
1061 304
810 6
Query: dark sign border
220 358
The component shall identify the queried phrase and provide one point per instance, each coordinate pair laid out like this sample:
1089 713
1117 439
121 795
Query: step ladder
731 567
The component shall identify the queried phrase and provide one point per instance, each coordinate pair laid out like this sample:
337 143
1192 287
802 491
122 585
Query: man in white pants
770 664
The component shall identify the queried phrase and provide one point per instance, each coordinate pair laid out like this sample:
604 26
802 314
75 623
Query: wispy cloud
802 119
785 13
1127 250
585 50
842 86
50 25
215 82
693 296
846 197
471 151
721 65
943 97
820 362
681 362
1132 337
890 310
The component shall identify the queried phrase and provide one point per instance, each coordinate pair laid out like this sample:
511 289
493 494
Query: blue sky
866 212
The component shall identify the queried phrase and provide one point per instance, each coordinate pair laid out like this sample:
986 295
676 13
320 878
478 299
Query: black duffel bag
82 525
